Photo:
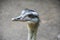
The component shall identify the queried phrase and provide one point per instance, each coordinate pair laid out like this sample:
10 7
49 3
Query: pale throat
32 30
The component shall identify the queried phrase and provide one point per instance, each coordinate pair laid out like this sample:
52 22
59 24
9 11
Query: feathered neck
32 31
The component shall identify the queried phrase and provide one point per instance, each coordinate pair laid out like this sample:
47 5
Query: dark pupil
32 16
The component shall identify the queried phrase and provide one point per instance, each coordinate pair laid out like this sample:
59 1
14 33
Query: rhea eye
31 16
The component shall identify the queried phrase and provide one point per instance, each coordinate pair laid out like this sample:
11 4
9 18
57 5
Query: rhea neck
32 31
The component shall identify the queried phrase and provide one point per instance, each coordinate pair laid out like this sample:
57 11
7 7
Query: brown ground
49 16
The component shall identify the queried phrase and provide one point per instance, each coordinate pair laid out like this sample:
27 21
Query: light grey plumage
32 19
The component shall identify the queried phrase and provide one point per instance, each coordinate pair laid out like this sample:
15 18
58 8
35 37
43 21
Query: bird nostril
18 18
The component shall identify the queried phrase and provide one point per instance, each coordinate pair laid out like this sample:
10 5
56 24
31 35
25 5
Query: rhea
32 19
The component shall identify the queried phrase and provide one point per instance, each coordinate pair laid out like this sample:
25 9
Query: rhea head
27 15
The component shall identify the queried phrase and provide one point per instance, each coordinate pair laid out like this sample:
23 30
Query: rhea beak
21 18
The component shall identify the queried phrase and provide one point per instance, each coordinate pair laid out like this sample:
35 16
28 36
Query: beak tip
12 19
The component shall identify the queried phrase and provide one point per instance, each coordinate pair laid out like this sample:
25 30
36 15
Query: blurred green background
49 13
